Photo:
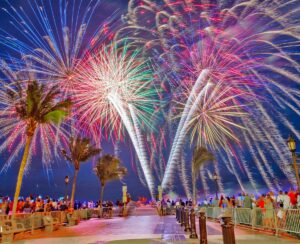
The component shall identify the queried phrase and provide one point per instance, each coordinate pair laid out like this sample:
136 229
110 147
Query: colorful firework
52 38
113 92
249 46
47 137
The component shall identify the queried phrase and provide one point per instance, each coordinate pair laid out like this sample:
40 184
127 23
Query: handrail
277 220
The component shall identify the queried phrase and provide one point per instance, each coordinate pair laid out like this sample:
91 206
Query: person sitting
110 209
27 207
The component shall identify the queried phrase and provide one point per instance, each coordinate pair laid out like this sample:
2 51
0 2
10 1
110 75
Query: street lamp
66 183
215 178
292 147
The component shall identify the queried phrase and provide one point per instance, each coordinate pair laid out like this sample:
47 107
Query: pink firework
14 122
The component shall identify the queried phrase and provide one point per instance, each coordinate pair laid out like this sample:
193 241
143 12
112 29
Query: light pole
292 146
215 178
159 188
124 198
66 184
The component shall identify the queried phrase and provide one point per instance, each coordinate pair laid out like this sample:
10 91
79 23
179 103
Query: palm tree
107 169
36 106
200 156
80 151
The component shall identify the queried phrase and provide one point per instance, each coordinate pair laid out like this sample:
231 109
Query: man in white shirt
286 201
280 199
54 204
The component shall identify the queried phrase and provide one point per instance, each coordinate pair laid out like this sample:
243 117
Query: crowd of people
32 204
283 199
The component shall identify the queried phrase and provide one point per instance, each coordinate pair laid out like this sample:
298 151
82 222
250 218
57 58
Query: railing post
182 217
227 229
275 222
187 220
32 223
253 215
202 227
193 234
234 212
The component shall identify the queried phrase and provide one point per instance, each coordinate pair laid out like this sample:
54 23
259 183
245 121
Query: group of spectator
32 204
285 200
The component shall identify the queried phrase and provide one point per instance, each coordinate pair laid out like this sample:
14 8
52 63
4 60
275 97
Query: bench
72 219
96 213
50 223
8 228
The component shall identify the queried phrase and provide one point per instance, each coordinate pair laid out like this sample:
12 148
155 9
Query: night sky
42 181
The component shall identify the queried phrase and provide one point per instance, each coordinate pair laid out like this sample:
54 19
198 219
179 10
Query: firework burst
15 121
54 37
114 92
248 46
214 116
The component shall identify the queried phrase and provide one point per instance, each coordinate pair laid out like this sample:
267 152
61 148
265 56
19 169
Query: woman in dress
269 211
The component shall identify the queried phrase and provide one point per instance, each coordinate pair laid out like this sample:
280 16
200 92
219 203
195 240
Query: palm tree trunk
74 187
21 172
102 193
194 189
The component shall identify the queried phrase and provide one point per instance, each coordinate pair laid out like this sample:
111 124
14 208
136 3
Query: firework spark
114 93
47 138
248 46
53 38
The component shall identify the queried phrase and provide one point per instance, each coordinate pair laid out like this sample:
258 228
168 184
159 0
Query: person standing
286 201
253 200
293 198
4 206
280 199
261 202
298 199
247 201
240 200
269 211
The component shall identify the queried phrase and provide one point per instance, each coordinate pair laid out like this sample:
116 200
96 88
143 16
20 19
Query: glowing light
185 38
112 92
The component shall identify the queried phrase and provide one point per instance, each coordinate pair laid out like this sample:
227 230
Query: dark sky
41 181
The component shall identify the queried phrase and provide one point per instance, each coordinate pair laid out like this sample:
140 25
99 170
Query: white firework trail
258 165
236 173
261 154
203 181
273 135
145 165
189 109
183 176
219 182
115 100
249 175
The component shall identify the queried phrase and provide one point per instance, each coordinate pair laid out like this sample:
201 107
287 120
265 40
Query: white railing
288 221
277 220
24 222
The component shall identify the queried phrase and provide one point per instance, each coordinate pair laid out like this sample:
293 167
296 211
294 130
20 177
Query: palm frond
81 150
201 156
56 116
108 169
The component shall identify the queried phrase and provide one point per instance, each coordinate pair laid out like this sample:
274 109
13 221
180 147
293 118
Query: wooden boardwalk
145 226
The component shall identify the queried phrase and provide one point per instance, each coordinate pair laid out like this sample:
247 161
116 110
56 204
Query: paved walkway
138 229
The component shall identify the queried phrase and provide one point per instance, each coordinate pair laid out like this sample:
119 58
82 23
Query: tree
80 151
107 169
200 156
36 105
